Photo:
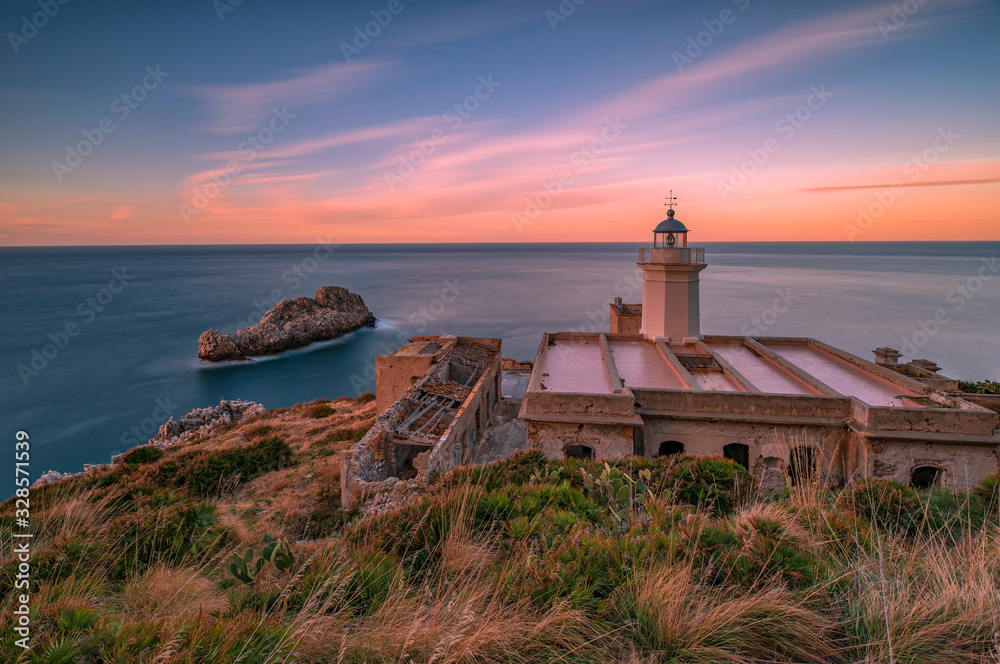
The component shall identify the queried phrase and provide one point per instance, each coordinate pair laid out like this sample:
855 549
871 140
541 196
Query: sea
98 345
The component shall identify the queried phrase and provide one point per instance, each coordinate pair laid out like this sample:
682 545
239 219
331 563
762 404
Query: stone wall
769 445
608 441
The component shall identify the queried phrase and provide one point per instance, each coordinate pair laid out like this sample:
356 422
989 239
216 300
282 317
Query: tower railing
675 256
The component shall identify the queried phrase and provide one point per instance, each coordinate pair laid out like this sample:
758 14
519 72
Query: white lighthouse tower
670 269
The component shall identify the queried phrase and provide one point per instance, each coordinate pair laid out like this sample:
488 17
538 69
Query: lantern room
670 233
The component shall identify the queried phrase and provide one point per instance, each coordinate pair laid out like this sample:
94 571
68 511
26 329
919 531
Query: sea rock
333 311
217 346
201 422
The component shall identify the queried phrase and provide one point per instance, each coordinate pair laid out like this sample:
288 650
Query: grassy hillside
667 560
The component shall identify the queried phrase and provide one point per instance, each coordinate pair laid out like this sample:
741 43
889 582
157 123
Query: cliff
331 312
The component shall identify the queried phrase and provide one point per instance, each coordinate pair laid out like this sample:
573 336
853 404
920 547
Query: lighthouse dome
670 225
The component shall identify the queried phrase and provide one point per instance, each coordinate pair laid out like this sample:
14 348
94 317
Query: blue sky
532 157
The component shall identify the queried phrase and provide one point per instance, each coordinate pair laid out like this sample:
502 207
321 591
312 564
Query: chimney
926 365
886 356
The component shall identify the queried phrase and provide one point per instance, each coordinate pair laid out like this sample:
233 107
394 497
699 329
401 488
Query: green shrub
987 493
260 431
889 505
211 473
372 580
142 454
980 387
708 481
321 410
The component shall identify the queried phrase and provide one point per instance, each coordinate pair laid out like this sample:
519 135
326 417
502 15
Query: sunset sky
512 121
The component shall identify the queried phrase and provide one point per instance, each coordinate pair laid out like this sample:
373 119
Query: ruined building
435 396
654 385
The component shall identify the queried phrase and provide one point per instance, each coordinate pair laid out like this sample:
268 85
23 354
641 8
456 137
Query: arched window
925 477
579 452
670 447
739 453
802 464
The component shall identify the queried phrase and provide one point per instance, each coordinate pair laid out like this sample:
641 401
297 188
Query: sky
254 121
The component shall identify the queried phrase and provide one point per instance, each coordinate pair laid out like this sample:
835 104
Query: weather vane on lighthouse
671 200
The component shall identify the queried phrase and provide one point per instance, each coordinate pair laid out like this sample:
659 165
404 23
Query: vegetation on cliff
640 560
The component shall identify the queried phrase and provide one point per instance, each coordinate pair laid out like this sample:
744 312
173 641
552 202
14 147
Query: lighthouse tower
670 269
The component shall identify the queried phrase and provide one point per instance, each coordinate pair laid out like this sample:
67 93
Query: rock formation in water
333 311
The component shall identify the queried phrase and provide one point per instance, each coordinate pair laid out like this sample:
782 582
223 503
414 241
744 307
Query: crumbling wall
964 466
394 375
608 441
387 451
990 401
468 428
508 364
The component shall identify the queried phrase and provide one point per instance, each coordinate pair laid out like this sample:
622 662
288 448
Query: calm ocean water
132 359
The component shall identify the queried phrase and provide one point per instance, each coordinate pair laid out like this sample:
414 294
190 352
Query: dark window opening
579 452
802 465
925 477
405 454
739 453
670 447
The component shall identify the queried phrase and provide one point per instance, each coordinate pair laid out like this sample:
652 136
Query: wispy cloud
240 108
122 212
886 185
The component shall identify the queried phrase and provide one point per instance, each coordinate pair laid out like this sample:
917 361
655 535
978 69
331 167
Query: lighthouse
670 278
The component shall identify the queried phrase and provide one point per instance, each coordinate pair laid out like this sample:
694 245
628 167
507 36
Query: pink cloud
240 108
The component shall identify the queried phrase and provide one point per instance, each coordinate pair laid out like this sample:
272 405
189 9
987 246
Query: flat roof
574 365
847 379
763 375
577 363
641 364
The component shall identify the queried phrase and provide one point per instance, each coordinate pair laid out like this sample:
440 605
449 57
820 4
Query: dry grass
171 595
926 603
678 619
518 571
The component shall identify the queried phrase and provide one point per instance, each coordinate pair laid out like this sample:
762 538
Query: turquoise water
89 379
